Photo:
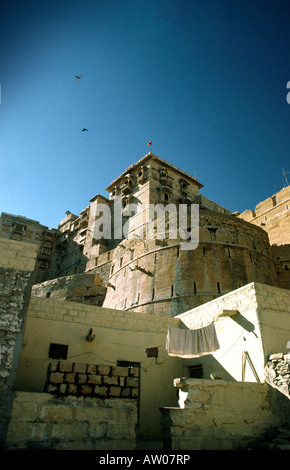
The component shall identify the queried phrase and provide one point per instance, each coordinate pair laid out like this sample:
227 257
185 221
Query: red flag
149 143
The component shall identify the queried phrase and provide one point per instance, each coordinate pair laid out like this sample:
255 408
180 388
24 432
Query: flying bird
78 77
84 129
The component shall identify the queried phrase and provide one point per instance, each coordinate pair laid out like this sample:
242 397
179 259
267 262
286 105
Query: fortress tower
155 275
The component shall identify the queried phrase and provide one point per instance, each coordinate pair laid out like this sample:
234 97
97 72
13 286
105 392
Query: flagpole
149 145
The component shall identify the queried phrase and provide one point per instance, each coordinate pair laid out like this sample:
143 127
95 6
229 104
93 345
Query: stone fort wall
159 278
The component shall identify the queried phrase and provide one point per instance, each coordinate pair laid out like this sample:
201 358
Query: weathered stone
86 389
80 368
65 367
132 382
72 389
81 378
275 357
120 371
115 391
104 369
102 391
111 380
91 369
70 378
56 377
95 379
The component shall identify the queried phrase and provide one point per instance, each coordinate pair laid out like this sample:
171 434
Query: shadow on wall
204 367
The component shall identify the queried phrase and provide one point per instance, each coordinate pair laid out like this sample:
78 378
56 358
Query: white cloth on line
191 343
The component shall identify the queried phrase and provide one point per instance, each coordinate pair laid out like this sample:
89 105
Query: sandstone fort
98 334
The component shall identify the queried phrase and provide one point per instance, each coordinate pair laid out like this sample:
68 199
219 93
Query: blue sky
204 80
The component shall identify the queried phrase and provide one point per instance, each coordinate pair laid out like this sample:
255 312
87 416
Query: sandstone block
120 371
132 382
65 366
72 389
92 369
95 379
104 369
81 378
101 391
56 377
111 380
134 371
70 378
115 391
80 368
86 389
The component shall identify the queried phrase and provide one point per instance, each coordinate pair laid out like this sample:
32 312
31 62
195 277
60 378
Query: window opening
196 371
57 351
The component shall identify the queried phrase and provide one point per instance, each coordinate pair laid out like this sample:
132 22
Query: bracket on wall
90 337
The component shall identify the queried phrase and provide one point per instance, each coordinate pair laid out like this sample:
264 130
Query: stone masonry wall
277 372
43 421
103 381
220 415
17 260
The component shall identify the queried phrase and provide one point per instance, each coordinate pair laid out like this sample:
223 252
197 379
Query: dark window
195 372
57 351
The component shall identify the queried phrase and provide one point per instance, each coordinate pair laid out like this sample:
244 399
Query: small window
57 351
195 372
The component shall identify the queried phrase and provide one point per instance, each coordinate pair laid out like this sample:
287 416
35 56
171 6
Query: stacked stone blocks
102 381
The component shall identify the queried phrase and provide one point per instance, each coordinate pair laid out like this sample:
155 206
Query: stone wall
43 421
84 288
120 339
103 381
17 260
273 215
277 372
220 415
159 278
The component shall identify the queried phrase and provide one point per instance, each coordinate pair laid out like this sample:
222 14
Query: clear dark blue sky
205 80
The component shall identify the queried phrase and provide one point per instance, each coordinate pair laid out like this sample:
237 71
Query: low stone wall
43 421
220 415
103 381
277 372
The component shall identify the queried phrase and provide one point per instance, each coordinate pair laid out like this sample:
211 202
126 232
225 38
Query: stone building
154 274
87 364
16 227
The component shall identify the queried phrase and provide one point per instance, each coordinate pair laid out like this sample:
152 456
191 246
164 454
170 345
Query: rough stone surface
40 421
220 415
108 382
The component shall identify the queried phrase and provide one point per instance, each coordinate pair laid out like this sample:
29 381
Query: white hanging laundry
191 343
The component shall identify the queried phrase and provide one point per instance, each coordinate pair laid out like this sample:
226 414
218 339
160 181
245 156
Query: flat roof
147 157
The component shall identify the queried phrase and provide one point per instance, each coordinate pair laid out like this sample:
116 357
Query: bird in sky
84 129
78 77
